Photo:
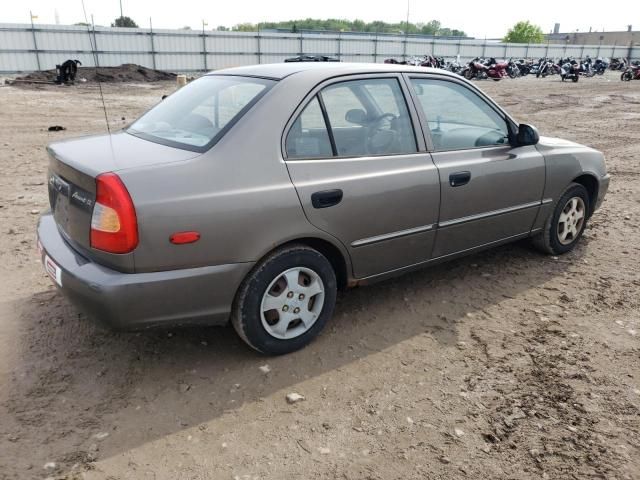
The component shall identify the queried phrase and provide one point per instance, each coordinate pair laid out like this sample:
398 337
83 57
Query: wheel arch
336 254
337 258
590 182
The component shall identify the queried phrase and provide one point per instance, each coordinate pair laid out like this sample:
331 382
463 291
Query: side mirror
527 135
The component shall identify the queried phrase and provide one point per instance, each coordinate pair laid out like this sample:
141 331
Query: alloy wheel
571 220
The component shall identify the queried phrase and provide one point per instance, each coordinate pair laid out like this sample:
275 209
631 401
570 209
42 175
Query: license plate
53 270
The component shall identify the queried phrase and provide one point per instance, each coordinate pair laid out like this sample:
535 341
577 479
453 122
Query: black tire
246 315
626 76
575 79
548 241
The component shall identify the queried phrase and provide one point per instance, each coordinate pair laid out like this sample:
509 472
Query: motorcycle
546 67
618 64
631 73
570 71
586 67
600 66
513 70
475 69
524 66
491 68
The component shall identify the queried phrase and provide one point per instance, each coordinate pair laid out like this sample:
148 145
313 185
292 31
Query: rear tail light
114 226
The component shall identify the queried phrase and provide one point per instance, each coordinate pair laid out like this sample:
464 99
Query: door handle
326 198
459 178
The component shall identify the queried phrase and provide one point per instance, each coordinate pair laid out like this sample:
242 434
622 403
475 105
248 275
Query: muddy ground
504 365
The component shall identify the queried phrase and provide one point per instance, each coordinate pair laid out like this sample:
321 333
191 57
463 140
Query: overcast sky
477 18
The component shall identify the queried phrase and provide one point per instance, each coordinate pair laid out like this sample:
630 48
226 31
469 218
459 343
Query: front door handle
459 178
326 198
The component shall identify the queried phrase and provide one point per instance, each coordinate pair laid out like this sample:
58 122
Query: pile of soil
126 73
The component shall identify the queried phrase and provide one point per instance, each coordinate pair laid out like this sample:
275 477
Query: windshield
197 116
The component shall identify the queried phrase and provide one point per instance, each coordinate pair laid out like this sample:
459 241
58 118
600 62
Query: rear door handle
459 178
326 198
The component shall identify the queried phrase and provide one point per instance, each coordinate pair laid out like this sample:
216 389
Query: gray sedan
254 193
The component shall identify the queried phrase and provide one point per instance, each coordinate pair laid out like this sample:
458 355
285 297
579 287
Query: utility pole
121 15
204 45
35 42
406 35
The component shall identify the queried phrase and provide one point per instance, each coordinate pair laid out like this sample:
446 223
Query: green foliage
524 32
124 22
433 27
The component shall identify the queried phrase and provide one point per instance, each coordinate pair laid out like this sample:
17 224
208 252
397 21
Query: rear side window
364 117
308 137
369 117
199 114
458 118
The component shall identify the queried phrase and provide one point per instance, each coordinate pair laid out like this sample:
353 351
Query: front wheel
626 77
285 301
575 79
565 225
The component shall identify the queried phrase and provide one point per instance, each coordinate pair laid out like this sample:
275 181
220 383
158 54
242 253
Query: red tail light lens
114 226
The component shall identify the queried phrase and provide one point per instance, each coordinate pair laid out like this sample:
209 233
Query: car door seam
491 213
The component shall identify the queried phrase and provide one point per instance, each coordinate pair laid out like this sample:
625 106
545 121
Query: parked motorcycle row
568 69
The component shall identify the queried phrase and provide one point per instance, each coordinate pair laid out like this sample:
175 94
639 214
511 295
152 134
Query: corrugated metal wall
25 49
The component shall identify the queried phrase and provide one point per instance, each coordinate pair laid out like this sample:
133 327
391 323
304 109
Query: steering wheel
379 139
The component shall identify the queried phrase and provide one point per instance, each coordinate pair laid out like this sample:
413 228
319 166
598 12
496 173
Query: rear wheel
575 79
626 77
565 225
285 301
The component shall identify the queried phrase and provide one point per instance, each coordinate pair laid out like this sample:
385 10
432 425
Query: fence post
526 53
506 45
301 45
204 47
613 52
404 47
582 52
484 48
153 49
95 43
546 53
35 42
375 47
259 46
340 46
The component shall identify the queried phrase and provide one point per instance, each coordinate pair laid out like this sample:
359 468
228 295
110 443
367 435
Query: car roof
278 71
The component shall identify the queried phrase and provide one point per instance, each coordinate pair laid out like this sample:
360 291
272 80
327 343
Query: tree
126 22
433 27
524 32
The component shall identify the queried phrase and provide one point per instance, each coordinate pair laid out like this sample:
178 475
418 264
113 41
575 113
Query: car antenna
95 63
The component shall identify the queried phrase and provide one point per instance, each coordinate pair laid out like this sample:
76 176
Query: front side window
197 115
369 117
458 118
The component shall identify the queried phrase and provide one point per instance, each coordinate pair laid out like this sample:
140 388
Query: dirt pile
128 72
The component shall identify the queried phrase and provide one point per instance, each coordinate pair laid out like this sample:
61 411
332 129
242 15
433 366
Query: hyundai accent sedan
253 194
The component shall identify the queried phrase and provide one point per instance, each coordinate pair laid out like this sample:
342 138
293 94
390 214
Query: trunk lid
73 167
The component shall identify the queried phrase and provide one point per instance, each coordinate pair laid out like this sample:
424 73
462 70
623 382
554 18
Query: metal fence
27 48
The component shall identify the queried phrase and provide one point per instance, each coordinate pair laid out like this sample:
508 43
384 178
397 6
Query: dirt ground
504 365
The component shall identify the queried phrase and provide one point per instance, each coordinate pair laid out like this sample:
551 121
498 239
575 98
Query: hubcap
571 220
292 303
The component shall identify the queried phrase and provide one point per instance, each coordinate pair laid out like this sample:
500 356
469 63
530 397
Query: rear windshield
198 115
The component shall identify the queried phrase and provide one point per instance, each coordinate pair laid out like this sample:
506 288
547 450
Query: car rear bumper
131 301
